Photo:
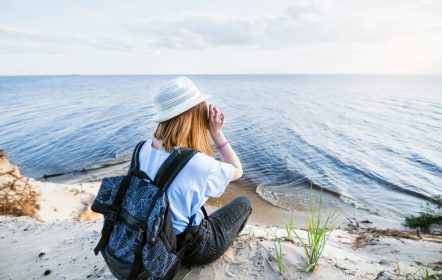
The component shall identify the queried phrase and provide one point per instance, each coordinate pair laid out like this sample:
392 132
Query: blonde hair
188 129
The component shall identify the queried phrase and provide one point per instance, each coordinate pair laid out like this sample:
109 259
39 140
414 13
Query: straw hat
176 97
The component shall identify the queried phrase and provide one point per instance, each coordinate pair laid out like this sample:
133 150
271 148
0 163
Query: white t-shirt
202 177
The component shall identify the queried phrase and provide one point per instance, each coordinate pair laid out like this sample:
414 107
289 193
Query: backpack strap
204 212
172 166
134 168
115 208
164 178
187 236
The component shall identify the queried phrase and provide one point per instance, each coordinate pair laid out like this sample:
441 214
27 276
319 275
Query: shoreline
266 211
270 201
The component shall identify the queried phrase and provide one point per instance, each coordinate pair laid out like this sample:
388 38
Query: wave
295 195
425 163
96 167
278 173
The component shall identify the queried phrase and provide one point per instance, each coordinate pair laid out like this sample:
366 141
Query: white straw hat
176 97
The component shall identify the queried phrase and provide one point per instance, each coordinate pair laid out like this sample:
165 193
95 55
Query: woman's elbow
237 173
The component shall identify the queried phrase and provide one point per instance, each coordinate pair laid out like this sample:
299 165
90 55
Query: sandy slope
65 250
64 201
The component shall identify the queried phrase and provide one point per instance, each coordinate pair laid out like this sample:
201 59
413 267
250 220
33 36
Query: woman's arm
228 155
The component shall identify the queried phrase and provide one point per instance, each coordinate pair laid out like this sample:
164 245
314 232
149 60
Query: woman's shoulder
202 162
213 174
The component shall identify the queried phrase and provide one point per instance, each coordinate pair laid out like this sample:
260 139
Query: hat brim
175 111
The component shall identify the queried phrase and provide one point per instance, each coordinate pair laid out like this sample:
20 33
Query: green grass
431 215
289 226
317 234
423 221
279 255
425 274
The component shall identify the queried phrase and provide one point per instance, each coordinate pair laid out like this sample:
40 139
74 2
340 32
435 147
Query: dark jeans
216 233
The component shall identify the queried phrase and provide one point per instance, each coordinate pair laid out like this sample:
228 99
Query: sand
58 243
64 250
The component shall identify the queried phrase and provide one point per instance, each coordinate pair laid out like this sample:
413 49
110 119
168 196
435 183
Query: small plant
425 274
289 226
423 220
317 234
432 214
278 251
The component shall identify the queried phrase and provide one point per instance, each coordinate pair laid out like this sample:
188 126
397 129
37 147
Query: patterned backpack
137 239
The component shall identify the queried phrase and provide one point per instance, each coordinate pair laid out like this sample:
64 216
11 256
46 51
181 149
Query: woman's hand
216 121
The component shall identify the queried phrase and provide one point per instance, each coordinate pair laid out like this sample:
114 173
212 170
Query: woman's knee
245 202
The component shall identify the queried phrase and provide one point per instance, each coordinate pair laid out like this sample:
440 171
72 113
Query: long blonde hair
188 129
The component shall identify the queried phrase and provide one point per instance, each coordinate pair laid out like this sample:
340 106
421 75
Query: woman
184 120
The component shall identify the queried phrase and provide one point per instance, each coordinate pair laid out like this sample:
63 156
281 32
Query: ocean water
375 141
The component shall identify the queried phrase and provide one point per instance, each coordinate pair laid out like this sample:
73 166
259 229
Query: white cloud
301 24
15 40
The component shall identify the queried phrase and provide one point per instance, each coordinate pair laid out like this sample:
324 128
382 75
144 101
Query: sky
220 37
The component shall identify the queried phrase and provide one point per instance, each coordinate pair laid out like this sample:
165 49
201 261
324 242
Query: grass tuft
432 214
425 274
289 226
317 234
279 255
423 221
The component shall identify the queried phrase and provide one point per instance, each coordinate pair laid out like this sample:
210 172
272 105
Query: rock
47 272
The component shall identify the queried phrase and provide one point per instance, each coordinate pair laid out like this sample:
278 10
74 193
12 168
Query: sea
373 141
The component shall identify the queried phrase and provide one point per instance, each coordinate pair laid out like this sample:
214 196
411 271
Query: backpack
137 240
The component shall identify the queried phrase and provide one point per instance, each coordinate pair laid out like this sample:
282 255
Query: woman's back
201 178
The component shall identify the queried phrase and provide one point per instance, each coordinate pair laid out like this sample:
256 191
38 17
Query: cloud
302 24
15 40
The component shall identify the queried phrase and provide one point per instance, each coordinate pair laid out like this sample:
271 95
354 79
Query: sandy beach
58 242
